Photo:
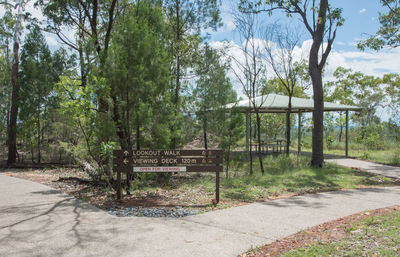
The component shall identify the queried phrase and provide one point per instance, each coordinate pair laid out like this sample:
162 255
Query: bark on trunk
259 142
250 146
122 135
38 131
288 125
205 133
318 120
12 130
138 137
315 69
228 157
341 129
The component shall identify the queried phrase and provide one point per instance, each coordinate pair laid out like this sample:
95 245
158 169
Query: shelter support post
217 187
247 132
119 193
299 134
347 133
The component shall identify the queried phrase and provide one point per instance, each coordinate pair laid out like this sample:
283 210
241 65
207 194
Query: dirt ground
76 183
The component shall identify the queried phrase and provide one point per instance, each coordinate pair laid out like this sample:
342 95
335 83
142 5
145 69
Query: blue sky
361 18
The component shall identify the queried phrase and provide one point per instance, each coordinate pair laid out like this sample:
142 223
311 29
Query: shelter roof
273 103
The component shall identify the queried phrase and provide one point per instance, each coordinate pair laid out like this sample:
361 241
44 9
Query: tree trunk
250 146
315 69
341 128
259 142
81 54
228 157
205 133
38 131
318 120
138 137
12 129
121 133
288 125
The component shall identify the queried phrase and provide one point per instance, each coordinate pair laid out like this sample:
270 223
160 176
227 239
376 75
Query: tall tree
186 19
12 128
321 21
250 72
213 91
280 44
6 35
39 73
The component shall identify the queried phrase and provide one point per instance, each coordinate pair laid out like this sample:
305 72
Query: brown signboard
165 160
168 160
167 152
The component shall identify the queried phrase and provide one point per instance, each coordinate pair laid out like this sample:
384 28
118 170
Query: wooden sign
167 160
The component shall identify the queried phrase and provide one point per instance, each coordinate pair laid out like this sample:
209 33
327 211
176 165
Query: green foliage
185 21
212 92
388 33
371 136
138 74
40 70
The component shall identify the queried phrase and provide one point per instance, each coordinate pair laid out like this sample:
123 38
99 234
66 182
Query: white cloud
230 25
51 41
363 10
35 12
369 63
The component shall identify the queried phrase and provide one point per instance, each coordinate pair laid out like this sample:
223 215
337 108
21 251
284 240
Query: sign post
168 160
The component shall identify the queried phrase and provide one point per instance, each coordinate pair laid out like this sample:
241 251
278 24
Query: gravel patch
176 212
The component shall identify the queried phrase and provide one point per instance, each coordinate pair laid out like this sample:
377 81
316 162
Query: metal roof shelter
273 103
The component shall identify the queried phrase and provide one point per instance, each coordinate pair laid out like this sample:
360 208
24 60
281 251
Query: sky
361 20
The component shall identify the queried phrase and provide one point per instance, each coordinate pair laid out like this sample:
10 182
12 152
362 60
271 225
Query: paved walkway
36 220
384 170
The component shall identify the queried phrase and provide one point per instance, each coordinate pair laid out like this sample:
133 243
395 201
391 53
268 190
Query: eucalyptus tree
12 128
186 19
39 72
137 72
6 36
250 71
392 82
35 82
91 23
321 20
212 92
368 92
280 44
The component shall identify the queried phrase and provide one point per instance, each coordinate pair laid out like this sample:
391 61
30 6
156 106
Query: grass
374 236
283 176
390 156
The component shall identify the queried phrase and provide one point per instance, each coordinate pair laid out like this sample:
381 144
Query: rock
151 212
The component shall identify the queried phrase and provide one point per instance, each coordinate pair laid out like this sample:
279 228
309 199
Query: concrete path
36 220
384 170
